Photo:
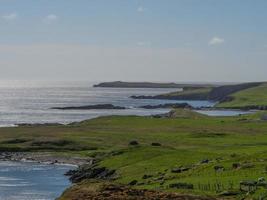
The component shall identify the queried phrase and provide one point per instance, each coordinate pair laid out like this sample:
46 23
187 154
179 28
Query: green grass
256 96
185 141
191 92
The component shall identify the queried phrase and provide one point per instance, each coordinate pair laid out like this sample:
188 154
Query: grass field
188 93
256 96
196 143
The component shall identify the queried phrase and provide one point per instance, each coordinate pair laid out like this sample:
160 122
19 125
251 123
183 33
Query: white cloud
9 17
140 9
216 41
50 18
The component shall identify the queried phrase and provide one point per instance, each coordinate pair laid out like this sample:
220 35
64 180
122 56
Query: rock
229 193
133 143
180 169
248 186
147 176
176 170
159 178
219 168
90 107
167 105
236 165
261 179
90 172
204 161
247 165
133 182
264 117
181 185
155 144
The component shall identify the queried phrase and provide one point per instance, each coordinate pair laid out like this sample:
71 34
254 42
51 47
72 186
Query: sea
32 181
31 101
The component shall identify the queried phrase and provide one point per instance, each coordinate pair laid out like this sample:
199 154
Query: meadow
187 153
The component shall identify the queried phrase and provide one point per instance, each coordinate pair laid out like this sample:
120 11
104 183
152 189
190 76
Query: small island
91 107
121 84
167 105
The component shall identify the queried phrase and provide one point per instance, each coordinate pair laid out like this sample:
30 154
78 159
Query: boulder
155 144
133 143
219 168
147 176
90 172
181 185
133 182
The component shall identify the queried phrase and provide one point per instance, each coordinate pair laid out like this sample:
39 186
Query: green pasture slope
216 153
255 96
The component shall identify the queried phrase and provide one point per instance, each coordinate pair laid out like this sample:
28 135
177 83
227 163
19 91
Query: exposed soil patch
113 192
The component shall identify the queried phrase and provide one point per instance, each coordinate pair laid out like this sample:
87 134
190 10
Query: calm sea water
30 102
32 181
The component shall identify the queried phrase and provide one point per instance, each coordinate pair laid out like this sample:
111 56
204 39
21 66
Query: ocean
31 101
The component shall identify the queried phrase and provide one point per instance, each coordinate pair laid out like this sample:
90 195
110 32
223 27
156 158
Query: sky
134 40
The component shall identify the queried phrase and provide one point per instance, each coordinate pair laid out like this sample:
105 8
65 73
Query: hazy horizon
139 40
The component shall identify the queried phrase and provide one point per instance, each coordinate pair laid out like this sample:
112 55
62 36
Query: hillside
252 97
186 94
236 96
187 153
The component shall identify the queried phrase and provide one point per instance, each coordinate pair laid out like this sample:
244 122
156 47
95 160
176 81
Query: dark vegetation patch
182 186
59 144
208 135
52 142
15 141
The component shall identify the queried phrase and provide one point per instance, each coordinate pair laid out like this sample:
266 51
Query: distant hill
244 95
120 84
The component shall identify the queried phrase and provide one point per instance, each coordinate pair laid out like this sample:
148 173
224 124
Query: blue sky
177 40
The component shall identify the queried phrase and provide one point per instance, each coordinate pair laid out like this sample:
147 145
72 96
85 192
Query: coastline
42 157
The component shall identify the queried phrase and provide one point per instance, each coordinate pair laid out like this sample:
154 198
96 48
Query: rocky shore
167 105
42 158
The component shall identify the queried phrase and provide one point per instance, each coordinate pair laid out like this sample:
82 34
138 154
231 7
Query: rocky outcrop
90 107
90 171
168 105
174 97
42 157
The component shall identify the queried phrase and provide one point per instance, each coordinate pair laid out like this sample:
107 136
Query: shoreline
43 158
193 109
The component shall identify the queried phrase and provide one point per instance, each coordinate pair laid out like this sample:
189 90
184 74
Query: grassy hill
211 154
255 96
